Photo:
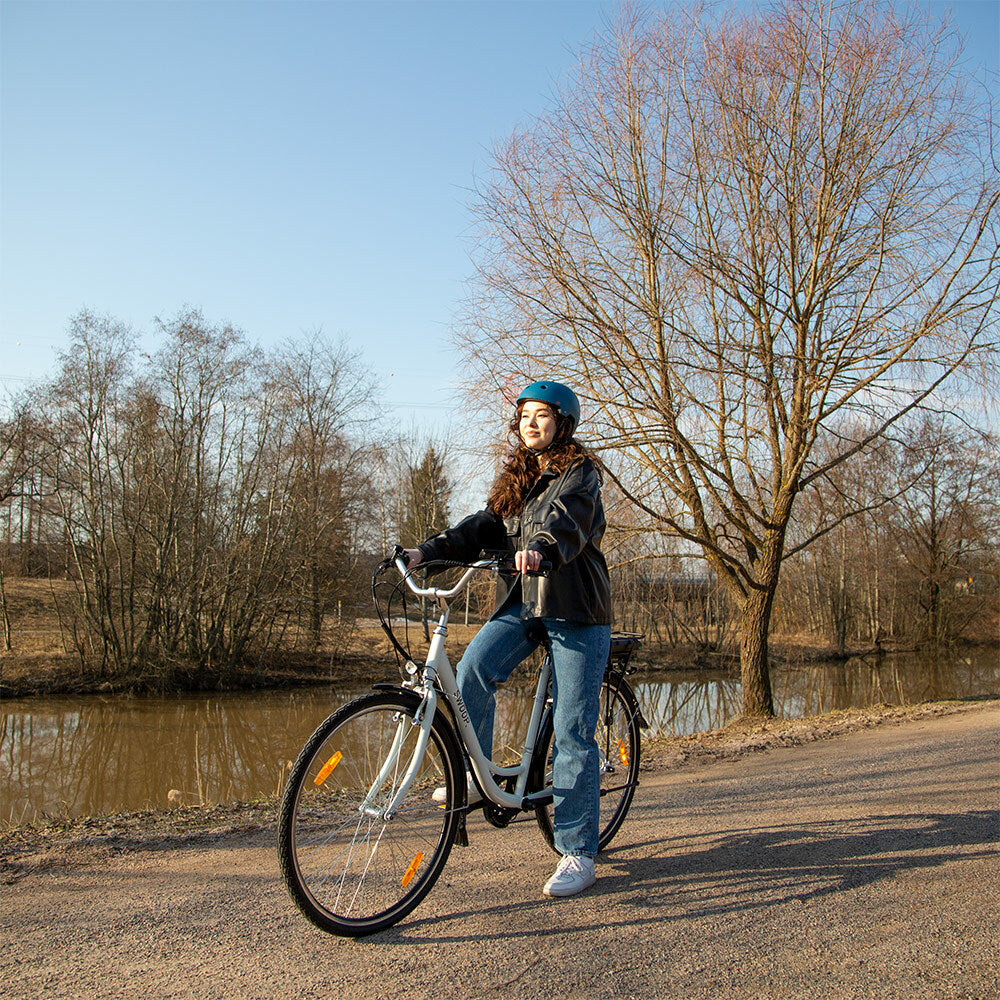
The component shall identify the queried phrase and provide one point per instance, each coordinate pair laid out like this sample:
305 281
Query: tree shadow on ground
743 870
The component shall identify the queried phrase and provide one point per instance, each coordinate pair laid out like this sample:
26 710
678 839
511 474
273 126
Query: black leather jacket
563 519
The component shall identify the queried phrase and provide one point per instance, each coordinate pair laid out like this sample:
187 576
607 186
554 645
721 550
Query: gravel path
862 865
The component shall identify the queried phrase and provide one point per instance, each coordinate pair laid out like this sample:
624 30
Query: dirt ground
851 856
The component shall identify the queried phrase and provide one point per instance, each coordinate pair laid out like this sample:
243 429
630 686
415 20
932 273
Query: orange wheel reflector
327 768
623 752
412 870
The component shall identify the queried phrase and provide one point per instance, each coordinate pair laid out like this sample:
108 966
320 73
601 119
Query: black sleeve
566 525
464 542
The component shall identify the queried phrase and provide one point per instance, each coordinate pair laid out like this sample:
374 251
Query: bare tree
324 389
945 524
736 234
835 586
21 459
180 488
89 423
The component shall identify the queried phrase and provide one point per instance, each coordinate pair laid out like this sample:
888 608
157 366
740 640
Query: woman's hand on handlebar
411 557
527 560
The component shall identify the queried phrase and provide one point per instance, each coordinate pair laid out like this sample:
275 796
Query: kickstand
462 837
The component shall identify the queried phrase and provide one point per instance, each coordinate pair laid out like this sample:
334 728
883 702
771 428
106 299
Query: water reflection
76 756
678 703
895 679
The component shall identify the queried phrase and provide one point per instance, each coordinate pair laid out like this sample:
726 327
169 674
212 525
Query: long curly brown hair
521 468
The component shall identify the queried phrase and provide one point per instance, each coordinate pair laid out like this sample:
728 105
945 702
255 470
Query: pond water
87 755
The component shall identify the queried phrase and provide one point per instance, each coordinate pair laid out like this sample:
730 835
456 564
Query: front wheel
618 749
350 869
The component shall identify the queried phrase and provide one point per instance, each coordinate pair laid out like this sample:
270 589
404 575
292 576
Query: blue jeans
579 654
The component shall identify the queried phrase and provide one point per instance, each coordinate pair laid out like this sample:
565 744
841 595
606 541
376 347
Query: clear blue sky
283 166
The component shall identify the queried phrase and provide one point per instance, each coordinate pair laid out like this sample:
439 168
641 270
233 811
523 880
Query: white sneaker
572 875
440 794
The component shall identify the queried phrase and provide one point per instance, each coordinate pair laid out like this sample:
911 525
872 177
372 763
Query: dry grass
38 651
32 605
42 660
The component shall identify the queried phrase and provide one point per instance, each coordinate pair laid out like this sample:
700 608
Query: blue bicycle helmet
555 394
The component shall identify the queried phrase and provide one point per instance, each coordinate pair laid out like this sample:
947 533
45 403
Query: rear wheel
349 868
618 748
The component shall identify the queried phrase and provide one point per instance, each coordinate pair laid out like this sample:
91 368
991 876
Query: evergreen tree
426 496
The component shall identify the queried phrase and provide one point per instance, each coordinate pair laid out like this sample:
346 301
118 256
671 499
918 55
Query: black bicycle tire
618 689
443 739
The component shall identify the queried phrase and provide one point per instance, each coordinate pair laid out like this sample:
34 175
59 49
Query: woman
545 505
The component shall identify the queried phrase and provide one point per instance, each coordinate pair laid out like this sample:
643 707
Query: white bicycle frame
437 667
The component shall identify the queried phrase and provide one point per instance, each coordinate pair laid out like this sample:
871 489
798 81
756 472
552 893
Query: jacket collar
542 483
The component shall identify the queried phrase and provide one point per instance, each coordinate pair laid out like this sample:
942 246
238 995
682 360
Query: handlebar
440 594
436 593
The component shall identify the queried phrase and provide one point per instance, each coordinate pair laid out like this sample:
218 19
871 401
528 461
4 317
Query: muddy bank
63 676
366 659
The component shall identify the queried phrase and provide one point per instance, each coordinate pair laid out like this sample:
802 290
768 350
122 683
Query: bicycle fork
424 718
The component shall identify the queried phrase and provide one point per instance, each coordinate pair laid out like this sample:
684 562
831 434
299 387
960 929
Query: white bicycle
361 840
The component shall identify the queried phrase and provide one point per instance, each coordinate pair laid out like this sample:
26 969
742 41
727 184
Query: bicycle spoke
348 867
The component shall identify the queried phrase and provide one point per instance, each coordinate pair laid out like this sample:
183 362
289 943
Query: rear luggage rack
623 645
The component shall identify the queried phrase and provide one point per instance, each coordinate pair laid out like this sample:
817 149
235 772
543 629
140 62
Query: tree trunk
934 613
755 620
840 606
315 604
4 618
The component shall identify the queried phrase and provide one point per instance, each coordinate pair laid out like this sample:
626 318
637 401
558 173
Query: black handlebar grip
544 567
